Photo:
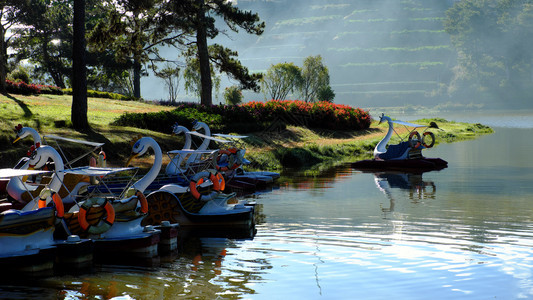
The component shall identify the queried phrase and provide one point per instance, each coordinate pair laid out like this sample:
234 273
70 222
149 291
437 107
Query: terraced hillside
379 52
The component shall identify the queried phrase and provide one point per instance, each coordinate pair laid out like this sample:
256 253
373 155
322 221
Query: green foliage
233 95
171 75
326 94
98 94
280 80
193 79
315 76
494 40
46 39
20 74
253 116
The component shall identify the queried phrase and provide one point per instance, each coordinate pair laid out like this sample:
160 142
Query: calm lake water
465 232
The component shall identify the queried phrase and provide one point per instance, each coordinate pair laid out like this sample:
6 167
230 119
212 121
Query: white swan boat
199 203
406 155
27 235
229 160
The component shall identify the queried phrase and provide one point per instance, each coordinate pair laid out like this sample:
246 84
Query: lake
465 232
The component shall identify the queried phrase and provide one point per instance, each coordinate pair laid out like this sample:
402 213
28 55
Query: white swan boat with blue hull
406 155
27 244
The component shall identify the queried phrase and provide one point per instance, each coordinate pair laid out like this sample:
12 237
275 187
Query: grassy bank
295 147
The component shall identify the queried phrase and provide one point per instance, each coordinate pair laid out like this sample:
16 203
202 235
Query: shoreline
294 147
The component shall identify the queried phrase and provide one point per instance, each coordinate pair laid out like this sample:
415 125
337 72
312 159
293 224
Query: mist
379 53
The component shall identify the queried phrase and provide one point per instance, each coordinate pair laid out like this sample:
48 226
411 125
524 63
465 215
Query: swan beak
131 158
24 178
381 118
16 140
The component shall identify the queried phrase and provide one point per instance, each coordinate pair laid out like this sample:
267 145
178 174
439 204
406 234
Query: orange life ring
143 201
232 162
58 203
199 179
418 143
222 183
107 222
432 139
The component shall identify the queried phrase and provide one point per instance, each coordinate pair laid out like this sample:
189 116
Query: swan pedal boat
126 236
200 202
407 155
27 242
237 180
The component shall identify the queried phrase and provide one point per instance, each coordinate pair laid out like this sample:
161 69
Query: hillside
379 53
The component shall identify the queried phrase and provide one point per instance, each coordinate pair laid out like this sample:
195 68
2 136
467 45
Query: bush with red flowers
254 116
22 88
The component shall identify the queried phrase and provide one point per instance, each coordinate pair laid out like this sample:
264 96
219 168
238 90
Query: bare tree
171 77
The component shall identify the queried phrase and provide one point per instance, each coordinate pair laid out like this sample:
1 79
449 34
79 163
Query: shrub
50 90
20 74
98 94
233 95
254 116
22 88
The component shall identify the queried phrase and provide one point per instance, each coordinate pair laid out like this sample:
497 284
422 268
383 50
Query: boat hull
143 245
415 164
165 206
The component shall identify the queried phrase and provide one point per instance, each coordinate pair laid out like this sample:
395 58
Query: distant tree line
493 39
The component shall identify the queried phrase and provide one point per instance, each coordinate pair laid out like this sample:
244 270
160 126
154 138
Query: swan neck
149 177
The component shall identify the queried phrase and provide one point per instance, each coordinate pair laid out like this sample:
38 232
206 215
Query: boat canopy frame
410 127
102 173
68 163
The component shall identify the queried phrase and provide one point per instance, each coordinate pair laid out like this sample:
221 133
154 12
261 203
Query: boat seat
395 151
69 183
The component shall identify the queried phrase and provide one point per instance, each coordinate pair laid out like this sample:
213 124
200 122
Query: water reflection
416 188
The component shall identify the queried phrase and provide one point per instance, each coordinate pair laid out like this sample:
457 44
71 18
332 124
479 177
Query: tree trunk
203 58
79 73
3 60
137 79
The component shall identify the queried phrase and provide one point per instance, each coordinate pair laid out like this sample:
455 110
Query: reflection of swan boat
412 182
405 181
407 155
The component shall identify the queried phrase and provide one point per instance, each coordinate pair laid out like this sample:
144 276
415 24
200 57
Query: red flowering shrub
22 88
253 116
319 114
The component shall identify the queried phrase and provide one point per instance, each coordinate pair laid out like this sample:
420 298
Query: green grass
298 147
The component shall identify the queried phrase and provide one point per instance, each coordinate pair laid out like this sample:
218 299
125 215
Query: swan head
21 133
196 125
38 157
138 148
178 129
384 118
